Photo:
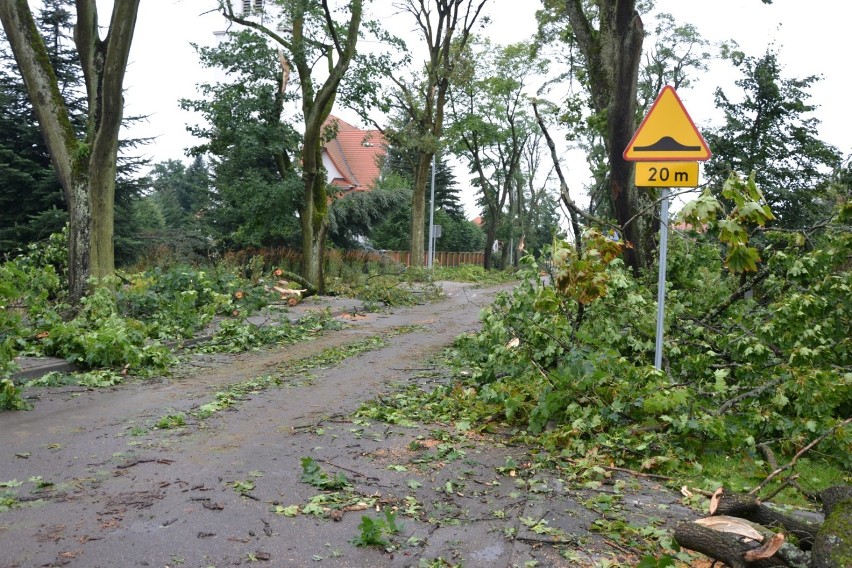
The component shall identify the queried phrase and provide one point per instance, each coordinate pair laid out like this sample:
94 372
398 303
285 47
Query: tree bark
819 546
85 168
833 544
749 508
736 551
418 208
612 54
727 547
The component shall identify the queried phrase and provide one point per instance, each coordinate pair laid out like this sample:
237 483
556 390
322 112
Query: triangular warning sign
667 134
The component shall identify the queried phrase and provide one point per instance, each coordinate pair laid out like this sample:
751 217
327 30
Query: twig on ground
787 483
151 460
346 469
639 473
799 454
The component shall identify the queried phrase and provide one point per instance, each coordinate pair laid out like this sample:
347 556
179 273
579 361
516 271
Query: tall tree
491 126
308 34
772 132
609 36
445 26
86 167
250 142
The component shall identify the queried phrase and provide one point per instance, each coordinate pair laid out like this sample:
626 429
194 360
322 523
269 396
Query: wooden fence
441 258
280 256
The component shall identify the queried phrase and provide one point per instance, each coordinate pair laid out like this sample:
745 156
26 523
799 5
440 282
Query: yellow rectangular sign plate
666 174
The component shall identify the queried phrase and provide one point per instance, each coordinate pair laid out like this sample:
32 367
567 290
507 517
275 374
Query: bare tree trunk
625 47
313 254
418 208
313 214
490 238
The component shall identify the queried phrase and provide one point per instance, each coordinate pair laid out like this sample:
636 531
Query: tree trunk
79 239
833 544
418 208
313 254
488 252
85 168
625 43
102 171
313 215
612 55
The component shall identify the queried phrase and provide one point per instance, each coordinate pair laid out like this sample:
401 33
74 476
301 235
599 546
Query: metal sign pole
667 147
661 285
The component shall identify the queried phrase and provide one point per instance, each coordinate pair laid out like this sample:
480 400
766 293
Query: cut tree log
750 508
727 547
741 523
714 540
733 525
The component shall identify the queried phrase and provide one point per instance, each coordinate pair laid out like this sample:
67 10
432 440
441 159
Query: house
353 158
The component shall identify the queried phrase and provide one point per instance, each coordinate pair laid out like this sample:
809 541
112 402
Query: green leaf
742 259
288 511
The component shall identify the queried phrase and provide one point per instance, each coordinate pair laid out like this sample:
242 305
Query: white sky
164 67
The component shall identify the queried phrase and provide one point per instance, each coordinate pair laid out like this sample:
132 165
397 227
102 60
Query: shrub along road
260 457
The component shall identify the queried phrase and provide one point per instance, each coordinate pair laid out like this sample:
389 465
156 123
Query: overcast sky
808 35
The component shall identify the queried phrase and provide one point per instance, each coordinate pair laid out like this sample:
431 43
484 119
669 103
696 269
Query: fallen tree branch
799 454
310 290
639 473
736 295
752 393
348 470
573 209
787 483
129 464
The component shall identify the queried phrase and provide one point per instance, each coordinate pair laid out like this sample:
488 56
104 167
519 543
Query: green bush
10 396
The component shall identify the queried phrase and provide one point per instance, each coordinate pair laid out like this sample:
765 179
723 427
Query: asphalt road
91 482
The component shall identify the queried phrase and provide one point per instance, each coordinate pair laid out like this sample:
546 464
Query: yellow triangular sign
667 134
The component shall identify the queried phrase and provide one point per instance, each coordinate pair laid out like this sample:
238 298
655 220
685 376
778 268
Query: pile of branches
743 532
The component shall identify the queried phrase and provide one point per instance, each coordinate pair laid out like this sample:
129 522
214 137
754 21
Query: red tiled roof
355 153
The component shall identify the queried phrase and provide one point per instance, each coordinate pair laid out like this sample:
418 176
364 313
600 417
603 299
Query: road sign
666 174
667 134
